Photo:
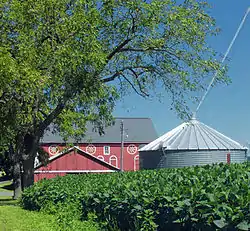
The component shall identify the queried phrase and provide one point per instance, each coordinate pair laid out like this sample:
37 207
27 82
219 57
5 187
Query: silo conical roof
193 135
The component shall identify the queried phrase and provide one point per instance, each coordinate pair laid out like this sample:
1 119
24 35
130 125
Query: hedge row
194 198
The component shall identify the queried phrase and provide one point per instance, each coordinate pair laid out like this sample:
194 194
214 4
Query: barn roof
137 130
193 135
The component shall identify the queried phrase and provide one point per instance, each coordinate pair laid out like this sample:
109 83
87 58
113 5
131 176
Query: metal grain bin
191 143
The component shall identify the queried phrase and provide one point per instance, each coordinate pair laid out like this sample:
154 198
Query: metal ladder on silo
161 162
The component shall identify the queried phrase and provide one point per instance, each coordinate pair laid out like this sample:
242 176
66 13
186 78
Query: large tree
65 62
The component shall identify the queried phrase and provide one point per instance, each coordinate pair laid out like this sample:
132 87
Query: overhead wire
222 61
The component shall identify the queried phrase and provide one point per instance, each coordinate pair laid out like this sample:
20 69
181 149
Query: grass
5 200
14 218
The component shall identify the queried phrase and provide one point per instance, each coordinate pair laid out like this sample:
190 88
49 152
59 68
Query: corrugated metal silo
191 143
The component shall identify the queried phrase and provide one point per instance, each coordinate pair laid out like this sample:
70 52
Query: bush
194 198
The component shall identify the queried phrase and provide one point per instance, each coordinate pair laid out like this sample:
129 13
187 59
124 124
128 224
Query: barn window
100 158
113 161
106 150
136 163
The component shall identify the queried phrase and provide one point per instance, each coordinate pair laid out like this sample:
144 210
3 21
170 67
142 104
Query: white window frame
108 153
113 158
136 158
100 157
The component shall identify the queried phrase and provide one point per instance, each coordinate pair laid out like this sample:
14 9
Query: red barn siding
71 162
115 150
75 161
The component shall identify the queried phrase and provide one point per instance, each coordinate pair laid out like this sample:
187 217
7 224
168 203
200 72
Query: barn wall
131 160
150 159
76 162
73 161
191 158
70 163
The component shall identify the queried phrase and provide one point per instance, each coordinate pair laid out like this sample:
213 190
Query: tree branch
132 28
54 114
118 48
149 49
132 85
49 119
125 42
109 79
138 82
113 77
43 113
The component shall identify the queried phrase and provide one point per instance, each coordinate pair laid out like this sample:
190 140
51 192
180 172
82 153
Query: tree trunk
31 145
16 170
17 180
28 171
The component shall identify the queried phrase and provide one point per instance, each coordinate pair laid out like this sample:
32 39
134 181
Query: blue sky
226 108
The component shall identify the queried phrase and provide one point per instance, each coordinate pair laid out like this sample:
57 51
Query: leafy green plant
193 198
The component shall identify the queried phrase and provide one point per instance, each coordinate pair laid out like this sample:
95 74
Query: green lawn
6 200
14 218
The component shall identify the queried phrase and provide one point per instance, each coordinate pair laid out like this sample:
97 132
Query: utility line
222 61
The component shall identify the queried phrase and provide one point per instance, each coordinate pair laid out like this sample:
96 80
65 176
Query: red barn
95 153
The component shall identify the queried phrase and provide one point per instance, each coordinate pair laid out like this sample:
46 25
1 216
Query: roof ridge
133 118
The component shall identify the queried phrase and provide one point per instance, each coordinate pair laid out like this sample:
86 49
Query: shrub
193 198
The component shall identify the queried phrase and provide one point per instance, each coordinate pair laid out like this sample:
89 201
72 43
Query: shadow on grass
5 178
8 201
8 187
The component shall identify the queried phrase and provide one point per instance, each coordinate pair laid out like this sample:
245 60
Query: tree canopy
66 62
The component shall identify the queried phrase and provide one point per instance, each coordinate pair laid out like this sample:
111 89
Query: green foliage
68 61
14 218
6 163
194 198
